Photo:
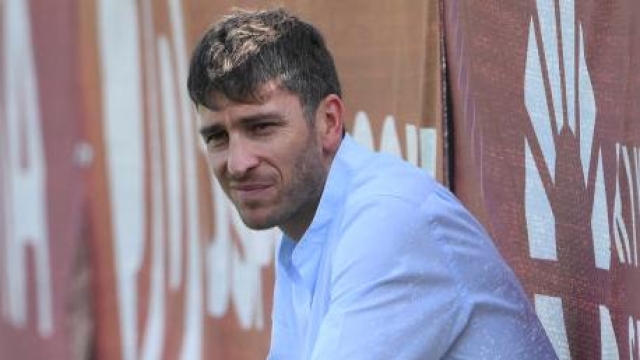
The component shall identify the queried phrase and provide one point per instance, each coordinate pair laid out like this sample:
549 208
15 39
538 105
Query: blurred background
116 244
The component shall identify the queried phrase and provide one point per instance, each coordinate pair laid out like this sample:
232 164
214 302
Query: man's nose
241 158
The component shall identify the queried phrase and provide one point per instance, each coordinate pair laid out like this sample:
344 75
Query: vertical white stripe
173 151
600 221
549 310
411 137
632 338
218 255
389 140
632 198
428 150
609 344
587 102
362 130
547 16
619 228
535 101
118 35
567 21
187 124
25 186
192 344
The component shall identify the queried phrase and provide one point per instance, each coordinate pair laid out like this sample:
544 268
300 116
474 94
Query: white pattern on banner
549 124
421 143
118 36
23 176
627 176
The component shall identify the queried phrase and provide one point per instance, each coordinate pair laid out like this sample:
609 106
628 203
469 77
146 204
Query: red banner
43 279
547 153
102 176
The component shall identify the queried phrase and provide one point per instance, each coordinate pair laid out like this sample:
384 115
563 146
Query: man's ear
330 124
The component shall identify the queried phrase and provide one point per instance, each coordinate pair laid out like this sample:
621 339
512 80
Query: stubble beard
300 199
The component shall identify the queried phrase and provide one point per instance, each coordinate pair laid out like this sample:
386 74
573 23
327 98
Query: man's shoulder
388 202
386 176
367 174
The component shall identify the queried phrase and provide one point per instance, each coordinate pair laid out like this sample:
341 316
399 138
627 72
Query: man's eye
262 128
216 138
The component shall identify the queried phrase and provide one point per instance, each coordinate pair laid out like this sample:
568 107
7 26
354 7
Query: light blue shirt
394 268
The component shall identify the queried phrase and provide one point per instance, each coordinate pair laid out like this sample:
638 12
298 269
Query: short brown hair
247 49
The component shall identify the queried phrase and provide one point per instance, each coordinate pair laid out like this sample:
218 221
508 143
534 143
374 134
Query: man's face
267 159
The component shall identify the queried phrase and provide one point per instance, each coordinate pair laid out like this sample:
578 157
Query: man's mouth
251 191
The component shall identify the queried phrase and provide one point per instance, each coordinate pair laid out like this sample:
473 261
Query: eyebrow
251 119
247 120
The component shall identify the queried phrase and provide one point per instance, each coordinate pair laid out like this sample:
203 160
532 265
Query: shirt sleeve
417 281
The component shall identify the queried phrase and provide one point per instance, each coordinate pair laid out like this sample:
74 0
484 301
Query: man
377 260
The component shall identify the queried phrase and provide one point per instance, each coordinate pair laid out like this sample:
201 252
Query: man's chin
256 223
258 226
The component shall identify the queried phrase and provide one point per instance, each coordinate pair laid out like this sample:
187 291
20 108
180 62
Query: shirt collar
303 259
